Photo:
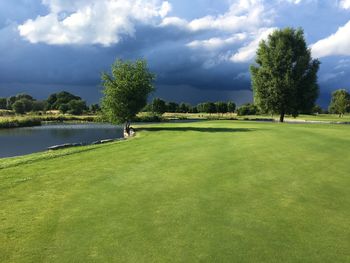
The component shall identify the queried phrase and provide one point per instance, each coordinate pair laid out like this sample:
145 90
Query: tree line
283 78
159 106
63 101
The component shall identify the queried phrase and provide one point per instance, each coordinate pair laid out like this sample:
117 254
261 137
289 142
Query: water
20 141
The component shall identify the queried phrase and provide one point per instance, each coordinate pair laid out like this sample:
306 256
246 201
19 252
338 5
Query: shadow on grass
196 129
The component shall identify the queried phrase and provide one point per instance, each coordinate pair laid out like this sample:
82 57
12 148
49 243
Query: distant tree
94 108
39 105
209 107
247 109
184 107
24 96
221 107
64 108
76 107
285 78
28 104
158 106
340 102
19 107
126 91
231 106
194 109
172 107
57 99
3 103
317 109
10 101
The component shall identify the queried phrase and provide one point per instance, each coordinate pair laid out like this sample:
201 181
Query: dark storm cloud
184 73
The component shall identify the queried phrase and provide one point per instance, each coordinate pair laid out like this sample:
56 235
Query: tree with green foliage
64 108
39 105
76 107
221 107
19 107
10 101
126 90
3 103
184 108
209 107
340 102
231 106
158 106
284 78
94 108
172 107
317 109
55 100
247 109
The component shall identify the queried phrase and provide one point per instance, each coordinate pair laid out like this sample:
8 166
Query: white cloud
216 42
91 22
247 53
336 44
242 15
344 4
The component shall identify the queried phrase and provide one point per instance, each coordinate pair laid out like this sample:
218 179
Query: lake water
20 141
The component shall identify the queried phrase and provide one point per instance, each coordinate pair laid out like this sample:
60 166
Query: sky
200 50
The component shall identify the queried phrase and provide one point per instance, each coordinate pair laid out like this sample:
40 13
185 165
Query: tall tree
284 78
126 90
340 103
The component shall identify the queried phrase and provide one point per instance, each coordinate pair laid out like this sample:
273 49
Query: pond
20 141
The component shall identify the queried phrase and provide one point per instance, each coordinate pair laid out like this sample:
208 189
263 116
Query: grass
29 120
211 191
319 117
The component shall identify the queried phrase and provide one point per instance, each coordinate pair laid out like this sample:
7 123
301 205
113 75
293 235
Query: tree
184 107
172 107
340 102
57 99
209 107
126 91
94 108
231 106
3 103
285 78
221 107
247 109
317 109
76 107
10 101
158 106
19 107
63 108
39 105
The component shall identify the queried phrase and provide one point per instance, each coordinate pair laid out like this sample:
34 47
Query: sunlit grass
211 191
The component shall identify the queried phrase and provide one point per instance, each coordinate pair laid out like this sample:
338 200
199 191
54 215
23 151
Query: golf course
204 191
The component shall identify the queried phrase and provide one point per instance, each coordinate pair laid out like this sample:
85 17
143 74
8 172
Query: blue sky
200 49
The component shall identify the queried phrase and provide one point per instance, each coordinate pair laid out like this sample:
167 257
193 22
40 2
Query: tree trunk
127 127
282 117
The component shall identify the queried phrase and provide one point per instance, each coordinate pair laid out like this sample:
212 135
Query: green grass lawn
212 191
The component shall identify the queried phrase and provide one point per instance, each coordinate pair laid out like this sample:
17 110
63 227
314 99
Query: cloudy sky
199 49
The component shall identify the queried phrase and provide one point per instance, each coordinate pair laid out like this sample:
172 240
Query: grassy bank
37 120
214 191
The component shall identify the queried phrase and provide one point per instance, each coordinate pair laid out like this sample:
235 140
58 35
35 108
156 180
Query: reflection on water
20 141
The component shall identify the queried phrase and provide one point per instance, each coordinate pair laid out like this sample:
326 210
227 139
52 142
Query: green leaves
126 90
284 78
340 103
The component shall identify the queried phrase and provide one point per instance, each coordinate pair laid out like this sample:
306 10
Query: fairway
208 191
